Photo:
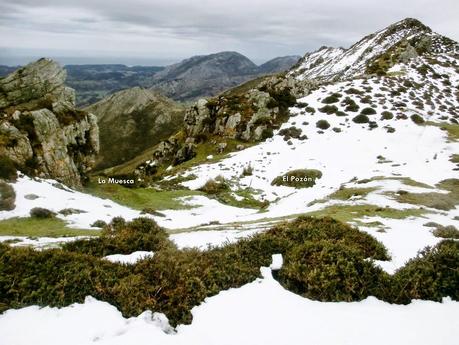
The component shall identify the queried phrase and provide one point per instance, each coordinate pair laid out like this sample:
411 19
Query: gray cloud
173 29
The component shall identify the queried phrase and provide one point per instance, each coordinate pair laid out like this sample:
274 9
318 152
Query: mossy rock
300 178
7 197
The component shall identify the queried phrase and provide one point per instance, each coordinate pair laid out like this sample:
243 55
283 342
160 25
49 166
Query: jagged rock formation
40 129
374 54
131 121
246 114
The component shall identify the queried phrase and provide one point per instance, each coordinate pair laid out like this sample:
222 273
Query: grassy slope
51 227
140 198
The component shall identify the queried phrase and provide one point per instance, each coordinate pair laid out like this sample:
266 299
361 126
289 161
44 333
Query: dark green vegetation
120 237
324 259
433 274
361 119
300 178
333 98
387 115
322 124
368 111
417 119
329 109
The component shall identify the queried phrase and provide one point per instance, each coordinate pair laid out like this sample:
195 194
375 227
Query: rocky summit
41 131
375 53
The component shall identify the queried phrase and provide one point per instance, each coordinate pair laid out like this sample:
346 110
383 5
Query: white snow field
259 313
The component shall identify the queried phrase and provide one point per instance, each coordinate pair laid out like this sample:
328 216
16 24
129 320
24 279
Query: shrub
353 91
333 98
446 232
361 119
118 238
53 277
368 111
98 224
328 271
387 115
310 229
328 109
267 133
7 197
301 178
310 110
263 120
322 124
432 275
417 119
281 98
248 170
324 259
7 169
214 186
39 212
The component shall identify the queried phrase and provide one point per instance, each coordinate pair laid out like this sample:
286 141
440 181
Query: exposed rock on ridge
40 129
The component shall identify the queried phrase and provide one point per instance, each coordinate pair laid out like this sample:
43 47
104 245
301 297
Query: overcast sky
164 31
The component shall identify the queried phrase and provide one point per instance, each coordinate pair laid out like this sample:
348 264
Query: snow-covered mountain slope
379 136
331 64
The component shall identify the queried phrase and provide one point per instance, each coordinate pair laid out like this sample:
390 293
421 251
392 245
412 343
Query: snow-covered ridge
331 64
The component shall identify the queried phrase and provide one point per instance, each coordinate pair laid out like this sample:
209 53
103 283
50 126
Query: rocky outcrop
245 114
41 131
141 118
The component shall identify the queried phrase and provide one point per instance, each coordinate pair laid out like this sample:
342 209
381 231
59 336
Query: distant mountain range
208 75
196 77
